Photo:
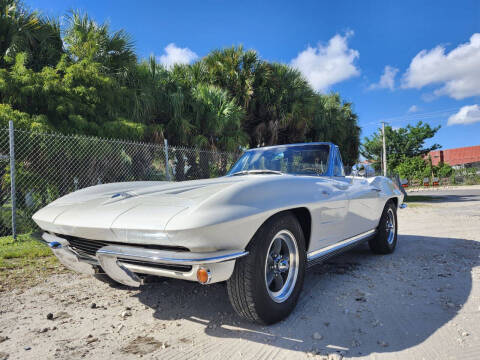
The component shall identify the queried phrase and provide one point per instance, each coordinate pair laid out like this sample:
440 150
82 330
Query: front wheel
385 240
265 285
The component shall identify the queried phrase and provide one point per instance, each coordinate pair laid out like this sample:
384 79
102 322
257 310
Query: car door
343 184
364 202
331 212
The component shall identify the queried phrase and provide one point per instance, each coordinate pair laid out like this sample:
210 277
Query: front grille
87 249
90 247
83 246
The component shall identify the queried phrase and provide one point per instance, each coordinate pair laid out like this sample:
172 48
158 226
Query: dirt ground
422 302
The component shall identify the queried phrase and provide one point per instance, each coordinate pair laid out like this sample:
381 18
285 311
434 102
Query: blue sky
398 61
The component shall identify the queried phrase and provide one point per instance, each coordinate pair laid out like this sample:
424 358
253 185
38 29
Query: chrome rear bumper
122 262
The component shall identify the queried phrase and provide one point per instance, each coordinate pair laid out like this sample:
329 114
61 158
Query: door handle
375 189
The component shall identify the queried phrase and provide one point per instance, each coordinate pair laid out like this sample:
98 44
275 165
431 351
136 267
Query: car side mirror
359 170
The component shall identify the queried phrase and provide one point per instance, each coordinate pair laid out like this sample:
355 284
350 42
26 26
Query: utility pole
384 153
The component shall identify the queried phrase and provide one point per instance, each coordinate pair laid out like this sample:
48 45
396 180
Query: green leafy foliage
89 82
412 168
71 98
418 168
444 170
87 40
22 120
23 31
400 143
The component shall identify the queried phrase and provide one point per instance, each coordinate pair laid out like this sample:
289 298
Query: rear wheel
265 285
385 240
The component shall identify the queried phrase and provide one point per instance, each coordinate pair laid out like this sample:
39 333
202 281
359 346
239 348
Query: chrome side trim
326 252
169 257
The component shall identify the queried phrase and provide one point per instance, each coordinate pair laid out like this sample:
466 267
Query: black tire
247 288
380 244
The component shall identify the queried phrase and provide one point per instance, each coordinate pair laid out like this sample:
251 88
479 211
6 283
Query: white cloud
466 115
457 72
328 64
387 80
176 55
413 109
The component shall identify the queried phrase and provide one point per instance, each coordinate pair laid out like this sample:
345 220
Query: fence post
12 178
167 172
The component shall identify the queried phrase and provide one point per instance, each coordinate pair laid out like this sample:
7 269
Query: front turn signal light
203 276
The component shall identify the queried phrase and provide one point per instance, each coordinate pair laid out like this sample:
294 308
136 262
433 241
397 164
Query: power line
423 116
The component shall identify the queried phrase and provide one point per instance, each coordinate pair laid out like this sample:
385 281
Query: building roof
458 156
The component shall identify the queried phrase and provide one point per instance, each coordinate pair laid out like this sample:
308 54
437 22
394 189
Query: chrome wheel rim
281 266
390 226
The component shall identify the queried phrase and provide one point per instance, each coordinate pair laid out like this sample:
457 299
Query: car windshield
308 159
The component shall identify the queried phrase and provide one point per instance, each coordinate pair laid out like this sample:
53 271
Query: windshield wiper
253 172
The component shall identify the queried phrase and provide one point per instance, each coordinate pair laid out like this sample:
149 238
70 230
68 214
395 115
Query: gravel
423 301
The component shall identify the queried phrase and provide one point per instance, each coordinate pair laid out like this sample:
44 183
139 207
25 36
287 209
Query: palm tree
233 69
87 40
336 122
24 31
218 124
147 81
281 108
218 119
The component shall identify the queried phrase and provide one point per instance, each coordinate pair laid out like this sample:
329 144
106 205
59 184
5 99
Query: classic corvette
279 210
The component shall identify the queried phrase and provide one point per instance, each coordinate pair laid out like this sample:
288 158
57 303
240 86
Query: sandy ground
422 302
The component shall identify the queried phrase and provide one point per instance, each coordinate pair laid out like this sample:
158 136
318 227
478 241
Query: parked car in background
279 210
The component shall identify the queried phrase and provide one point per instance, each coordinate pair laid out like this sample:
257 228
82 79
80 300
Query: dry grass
25 262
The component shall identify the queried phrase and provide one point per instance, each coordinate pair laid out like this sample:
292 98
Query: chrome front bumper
220 264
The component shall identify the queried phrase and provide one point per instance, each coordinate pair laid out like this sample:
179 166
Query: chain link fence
459 176
5 200
48 166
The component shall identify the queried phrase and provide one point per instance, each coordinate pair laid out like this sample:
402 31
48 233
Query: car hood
110 211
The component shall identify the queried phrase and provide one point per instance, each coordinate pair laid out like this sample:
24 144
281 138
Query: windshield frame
330 159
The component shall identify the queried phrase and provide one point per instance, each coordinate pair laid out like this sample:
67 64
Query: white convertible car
279 210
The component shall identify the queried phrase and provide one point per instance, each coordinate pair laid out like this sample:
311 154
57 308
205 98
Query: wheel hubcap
281 266
390 226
